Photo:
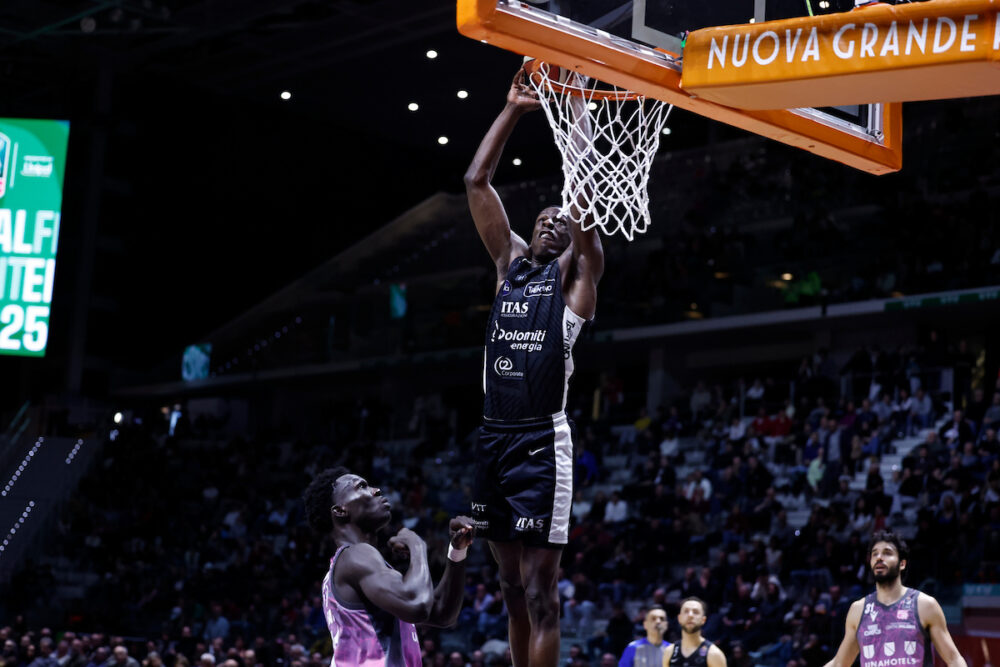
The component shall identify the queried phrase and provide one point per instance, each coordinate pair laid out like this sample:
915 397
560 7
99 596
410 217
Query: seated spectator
922 413
581 506
737 431
861 518
670 446
843 497
586 471
989 446
616 511
957 431
816 470
697 481
970 456
673 421
883 409
866 415
910 485
761 423
700 400
121 658
811 449
991 417
578 611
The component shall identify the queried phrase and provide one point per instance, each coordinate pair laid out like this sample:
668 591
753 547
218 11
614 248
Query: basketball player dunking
546 292
895 625
693 650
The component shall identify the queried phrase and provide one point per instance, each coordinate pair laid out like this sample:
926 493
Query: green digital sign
32 167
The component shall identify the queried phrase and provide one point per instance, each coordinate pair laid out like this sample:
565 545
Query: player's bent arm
716 658
931 612
409 597
848 650
448 597
450 591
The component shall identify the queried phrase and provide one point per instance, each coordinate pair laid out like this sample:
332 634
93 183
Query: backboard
638 45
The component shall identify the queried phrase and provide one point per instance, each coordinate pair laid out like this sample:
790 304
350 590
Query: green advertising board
32 167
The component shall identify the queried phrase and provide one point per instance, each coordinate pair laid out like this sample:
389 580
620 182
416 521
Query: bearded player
693 650
546 291
894 626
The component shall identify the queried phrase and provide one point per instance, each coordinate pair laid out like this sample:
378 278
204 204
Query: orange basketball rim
651 72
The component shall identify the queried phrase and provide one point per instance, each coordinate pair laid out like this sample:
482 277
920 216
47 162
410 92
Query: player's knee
542 603
511 586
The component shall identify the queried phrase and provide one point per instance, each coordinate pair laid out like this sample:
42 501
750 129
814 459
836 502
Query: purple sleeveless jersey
363 638
892 635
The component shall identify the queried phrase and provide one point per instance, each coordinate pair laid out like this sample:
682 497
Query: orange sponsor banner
880 53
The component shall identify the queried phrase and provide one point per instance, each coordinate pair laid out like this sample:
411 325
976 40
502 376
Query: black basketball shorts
524 481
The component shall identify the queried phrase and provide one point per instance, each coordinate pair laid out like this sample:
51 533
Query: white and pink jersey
366 637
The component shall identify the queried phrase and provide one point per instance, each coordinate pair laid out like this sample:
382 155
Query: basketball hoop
605 169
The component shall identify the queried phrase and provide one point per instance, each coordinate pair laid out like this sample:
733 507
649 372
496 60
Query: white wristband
456 555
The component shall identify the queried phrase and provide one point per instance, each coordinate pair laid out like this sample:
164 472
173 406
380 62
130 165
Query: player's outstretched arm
848 650
450 590
409 597
937 625
484 202
588 253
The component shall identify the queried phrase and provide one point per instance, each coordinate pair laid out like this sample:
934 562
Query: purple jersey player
895 626
370 607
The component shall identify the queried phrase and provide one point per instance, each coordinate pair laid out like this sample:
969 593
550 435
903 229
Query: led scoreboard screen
32 166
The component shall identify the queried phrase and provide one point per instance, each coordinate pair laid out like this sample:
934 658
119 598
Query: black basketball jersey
529 345
697 659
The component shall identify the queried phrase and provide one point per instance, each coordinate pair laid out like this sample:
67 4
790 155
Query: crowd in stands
746 226
204 556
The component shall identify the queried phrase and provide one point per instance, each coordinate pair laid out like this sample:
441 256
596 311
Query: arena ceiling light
462 94
516 161
432 54
412 106
442 140
285 95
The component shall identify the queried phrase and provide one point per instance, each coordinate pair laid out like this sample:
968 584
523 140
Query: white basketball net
606 176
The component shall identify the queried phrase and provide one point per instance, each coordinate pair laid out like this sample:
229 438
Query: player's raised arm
450 590
937 626
588 253
848 650
484 202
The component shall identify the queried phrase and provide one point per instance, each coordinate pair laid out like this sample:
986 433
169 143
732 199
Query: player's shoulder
715 655
359 557
927 605
636 643
855 610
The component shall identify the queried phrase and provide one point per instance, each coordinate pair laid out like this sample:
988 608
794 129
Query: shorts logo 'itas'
525 523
